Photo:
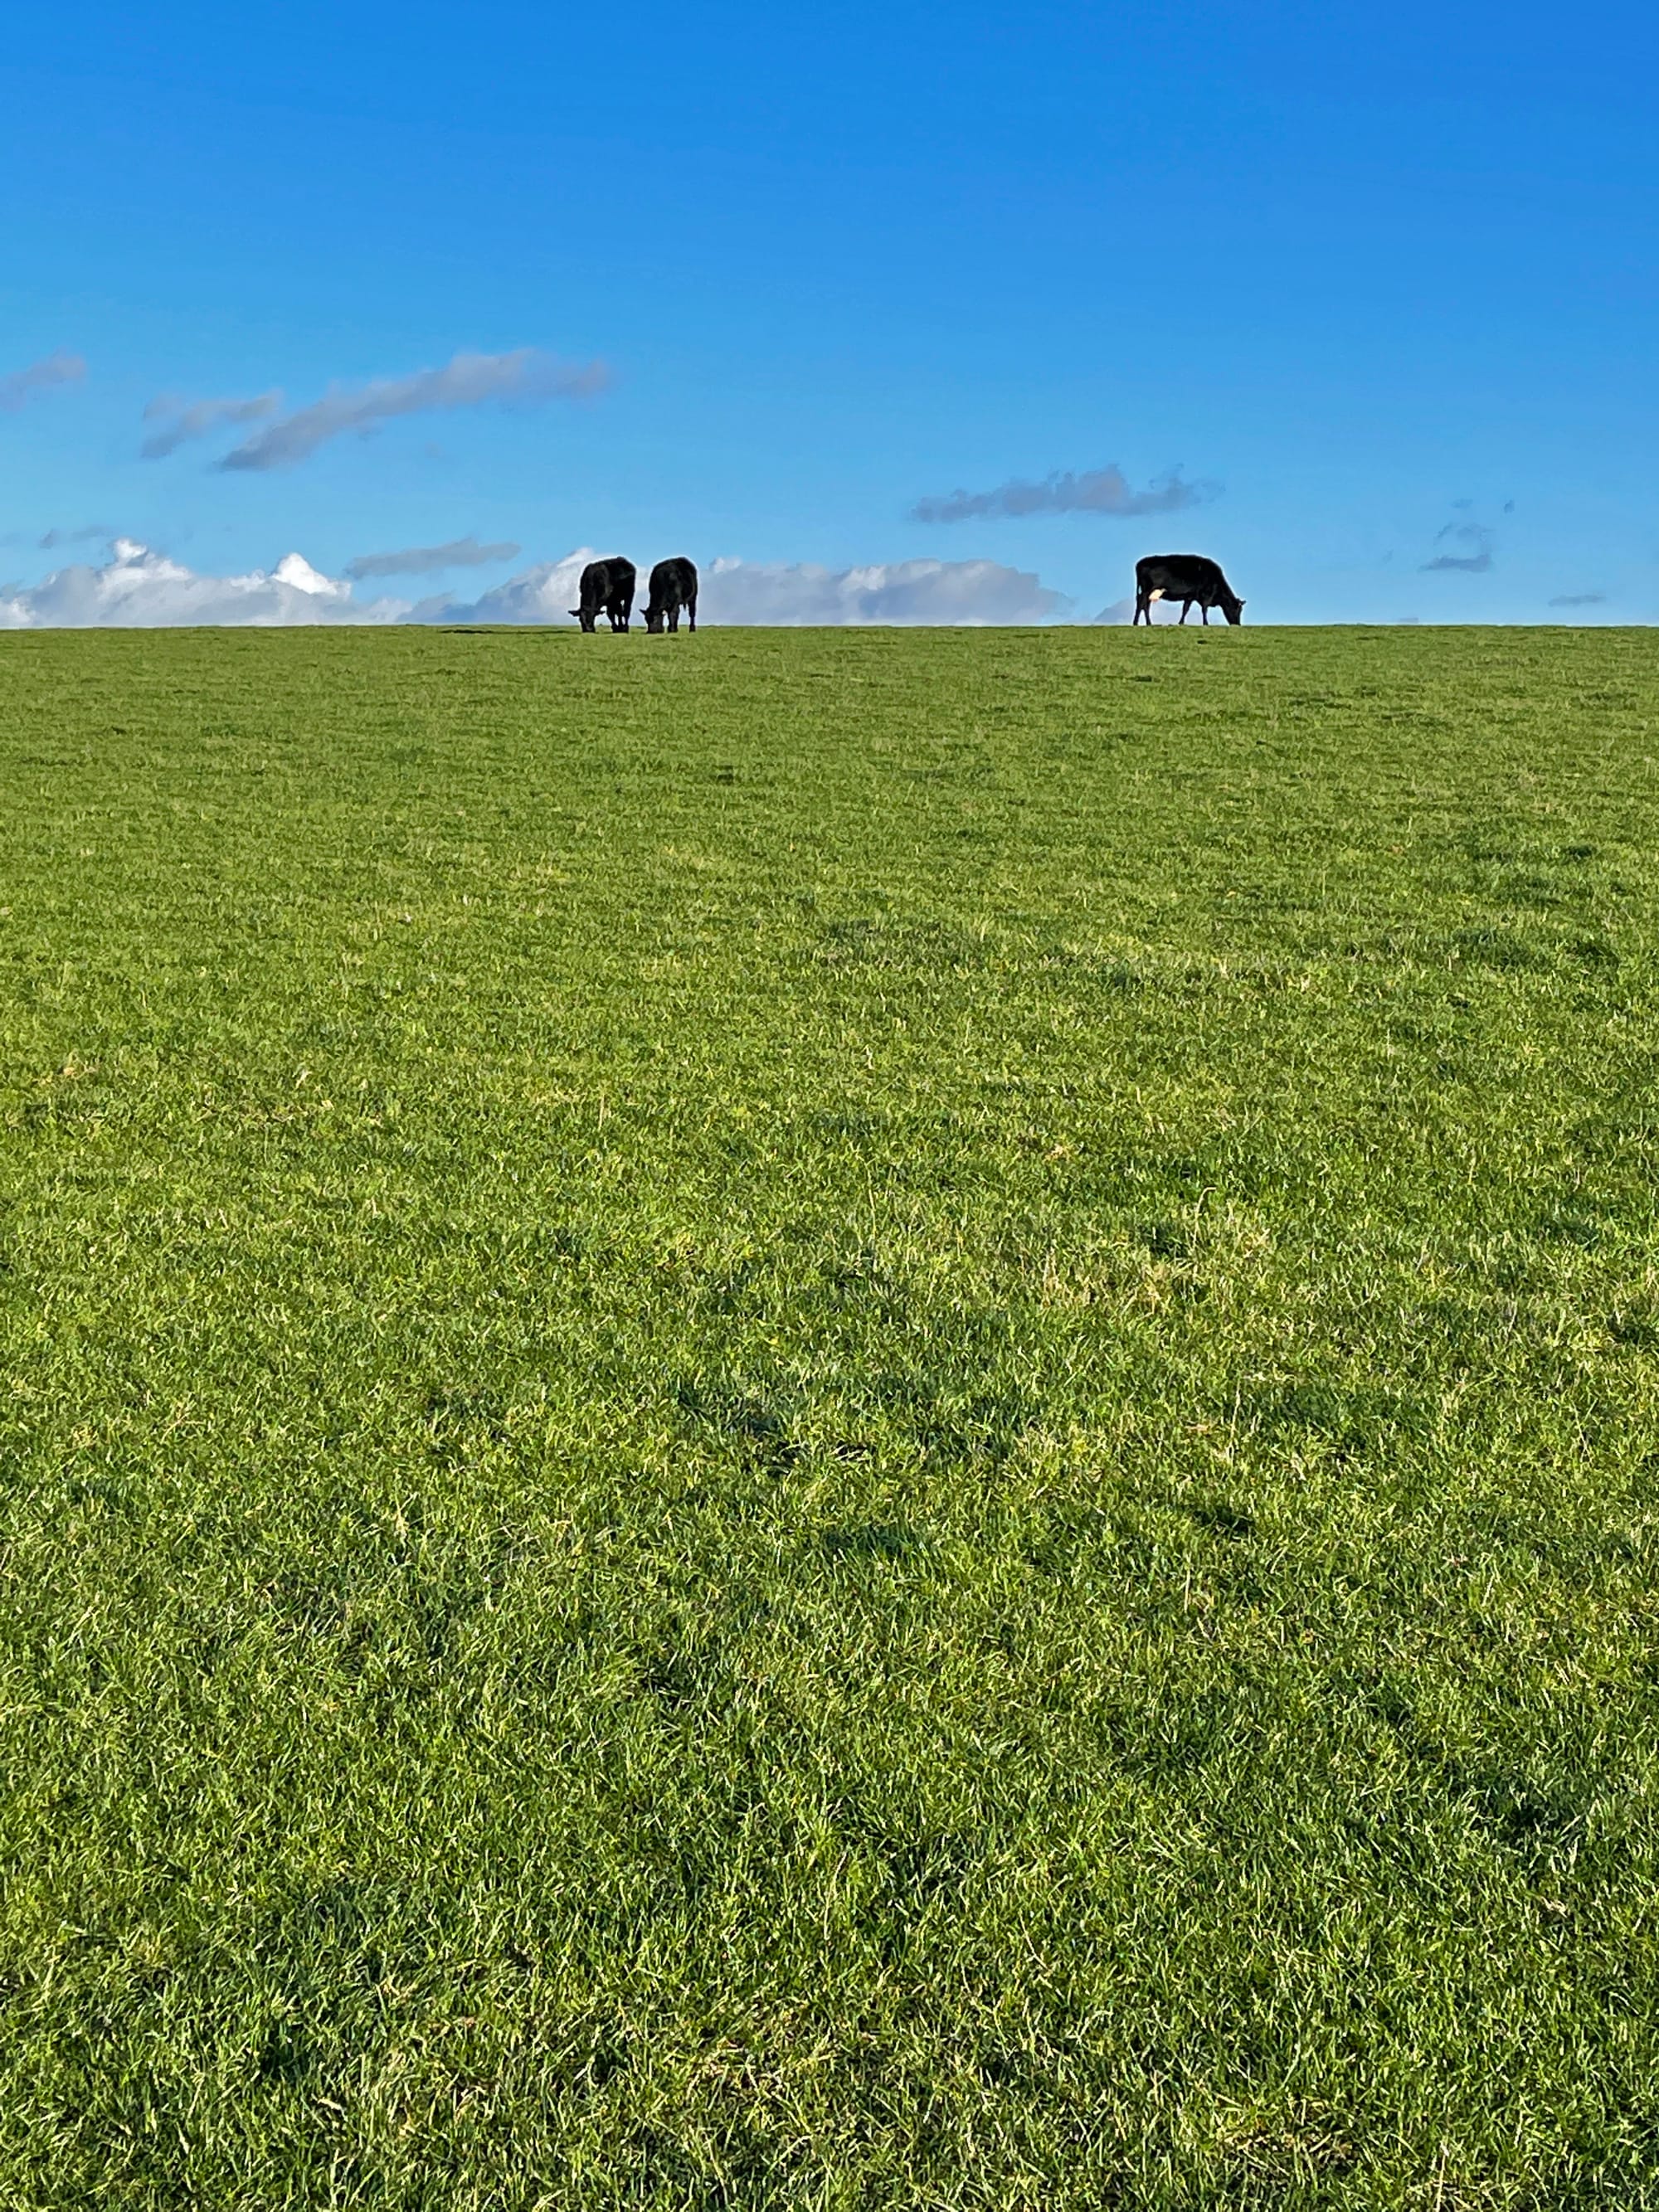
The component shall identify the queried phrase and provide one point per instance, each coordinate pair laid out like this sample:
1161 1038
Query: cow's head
586 616
653 620
1234 610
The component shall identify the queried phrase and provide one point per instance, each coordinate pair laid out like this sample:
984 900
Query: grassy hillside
830 1420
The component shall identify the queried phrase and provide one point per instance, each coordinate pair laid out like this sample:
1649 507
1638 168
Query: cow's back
673 582
1177 572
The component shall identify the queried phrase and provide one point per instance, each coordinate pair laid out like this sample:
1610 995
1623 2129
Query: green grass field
829 1419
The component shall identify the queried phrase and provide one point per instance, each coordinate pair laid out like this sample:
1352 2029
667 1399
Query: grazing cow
607 588
1187 577
673 586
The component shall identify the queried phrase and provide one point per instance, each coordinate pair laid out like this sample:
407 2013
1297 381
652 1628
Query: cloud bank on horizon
792 595
20 385
972 593
1094 491
140 588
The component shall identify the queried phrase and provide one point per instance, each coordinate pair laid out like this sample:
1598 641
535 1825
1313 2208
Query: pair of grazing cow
607 588
1188 577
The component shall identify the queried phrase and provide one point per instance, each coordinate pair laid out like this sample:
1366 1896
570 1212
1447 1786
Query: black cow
607 588
673 586
1187 577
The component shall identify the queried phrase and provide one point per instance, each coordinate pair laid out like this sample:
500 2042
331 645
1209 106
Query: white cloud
138 588
468 381
545 594
21 384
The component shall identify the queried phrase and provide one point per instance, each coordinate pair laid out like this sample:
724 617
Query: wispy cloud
22 384
1472 564
1094 491
470 380
1580 599
1476 540
181 420
94 534
428 560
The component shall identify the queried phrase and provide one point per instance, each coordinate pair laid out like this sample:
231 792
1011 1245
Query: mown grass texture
829 1419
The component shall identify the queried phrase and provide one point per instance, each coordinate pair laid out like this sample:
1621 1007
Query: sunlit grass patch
829 1419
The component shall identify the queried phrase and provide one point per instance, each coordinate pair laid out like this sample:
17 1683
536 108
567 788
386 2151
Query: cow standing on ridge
607 588
1187 577
673 586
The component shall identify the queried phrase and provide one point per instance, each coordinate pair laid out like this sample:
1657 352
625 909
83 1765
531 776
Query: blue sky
1381 285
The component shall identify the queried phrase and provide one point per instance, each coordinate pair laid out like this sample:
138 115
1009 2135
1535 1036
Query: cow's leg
691 610
1205 606
1186 609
